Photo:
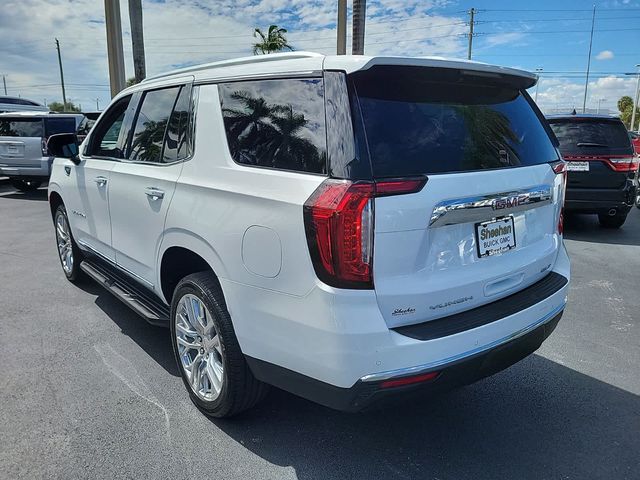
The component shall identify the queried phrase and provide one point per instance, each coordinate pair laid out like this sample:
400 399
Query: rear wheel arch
178 262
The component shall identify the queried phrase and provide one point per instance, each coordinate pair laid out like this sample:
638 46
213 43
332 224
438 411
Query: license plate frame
503 246
578 166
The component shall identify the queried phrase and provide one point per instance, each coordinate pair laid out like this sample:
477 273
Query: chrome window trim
417 370
255 76
475 209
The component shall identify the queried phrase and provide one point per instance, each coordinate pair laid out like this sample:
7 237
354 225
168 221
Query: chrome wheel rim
65 248
199 348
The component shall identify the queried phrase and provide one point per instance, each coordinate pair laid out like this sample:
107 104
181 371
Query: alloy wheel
199 348
65 247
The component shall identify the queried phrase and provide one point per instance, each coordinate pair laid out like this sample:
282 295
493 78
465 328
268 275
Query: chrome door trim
419 369
479 208
119 267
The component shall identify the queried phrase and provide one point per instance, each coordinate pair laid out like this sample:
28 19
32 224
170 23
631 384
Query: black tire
25 185
240 389
74 274
615 221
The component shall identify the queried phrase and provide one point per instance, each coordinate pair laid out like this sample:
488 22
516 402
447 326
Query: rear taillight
560 168
623 164
43 145
338 220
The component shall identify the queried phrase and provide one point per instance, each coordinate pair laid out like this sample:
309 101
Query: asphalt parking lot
88 390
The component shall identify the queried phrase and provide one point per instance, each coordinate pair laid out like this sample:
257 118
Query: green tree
625 105
131 81
274 41
59 107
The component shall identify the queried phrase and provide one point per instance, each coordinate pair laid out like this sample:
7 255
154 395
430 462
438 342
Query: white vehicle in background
23 145
17 104
346 228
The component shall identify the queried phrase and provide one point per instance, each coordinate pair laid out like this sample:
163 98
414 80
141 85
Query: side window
106 140
276 123
151 123
175 142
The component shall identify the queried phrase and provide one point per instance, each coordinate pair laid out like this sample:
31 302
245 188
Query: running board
153 310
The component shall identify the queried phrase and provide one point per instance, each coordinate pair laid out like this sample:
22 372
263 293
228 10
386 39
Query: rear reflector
339 219
400 382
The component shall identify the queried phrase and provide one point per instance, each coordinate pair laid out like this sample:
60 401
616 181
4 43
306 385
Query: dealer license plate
578 166
496 236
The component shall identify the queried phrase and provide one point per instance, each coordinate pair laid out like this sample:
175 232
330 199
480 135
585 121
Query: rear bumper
369 390
595 200
43 169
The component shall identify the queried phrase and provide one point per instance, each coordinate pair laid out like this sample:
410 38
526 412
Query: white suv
342 227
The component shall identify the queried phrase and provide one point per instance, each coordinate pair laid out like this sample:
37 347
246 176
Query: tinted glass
419 121
276 123
59 125
175 141
151 123
584 136
27 127
85 126
106 139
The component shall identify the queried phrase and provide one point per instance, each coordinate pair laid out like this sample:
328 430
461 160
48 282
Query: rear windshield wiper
590 144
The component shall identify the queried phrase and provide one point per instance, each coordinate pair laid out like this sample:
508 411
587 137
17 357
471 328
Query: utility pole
359 17
539 72
137 39
600 100
114 46
4 82
635 103
341 48
97 104
586 82
64 95
472 16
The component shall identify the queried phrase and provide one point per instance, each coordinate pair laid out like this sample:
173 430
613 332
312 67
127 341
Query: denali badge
452 302
403 311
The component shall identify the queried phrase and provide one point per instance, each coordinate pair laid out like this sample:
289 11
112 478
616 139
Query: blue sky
552 35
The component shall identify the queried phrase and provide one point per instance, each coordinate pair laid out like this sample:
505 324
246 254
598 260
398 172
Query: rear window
586 135
54 126
21 127
276 123
424 121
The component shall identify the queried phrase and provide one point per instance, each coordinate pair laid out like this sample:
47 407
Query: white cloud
605 55
558 94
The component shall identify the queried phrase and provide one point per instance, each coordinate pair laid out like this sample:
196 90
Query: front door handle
100 181
154 193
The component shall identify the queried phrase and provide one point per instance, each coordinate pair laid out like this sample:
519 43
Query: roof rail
272 57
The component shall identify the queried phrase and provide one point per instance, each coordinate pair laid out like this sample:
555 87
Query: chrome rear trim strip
481 208
427 367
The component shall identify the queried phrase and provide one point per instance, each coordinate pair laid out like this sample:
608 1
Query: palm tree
273 41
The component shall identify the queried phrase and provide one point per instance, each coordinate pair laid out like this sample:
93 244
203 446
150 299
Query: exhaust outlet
612 212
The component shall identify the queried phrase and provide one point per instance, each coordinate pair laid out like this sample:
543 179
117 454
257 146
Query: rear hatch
598 151
21 141
485 225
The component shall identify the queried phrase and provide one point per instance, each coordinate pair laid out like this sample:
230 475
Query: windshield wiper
590 144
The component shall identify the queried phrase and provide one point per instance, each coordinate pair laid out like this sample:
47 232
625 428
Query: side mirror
64 145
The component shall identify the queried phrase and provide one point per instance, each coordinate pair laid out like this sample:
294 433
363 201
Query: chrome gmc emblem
509 202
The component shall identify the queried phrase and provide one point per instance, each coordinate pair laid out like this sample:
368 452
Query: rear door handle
154 193
100 181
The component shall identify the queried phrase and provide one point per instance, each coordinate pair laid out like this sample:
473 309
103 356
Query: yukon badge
403 311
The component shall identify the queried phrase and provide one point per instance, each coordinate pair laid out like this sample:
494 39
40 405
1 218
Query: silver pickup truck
23 145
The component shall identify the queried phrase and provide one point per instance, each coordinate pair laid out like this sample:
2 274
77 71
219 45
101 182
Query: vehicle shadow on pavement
587 229
155 341
11 194
536 420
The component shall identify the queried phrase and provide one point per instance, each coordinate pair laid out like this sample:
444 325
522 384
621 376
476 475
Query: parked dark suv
602 166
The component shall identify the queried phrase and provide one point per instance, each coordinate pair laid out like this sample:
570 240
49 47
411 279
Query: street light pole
586 82
539 72
342 28
114 45
635 103
599 101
